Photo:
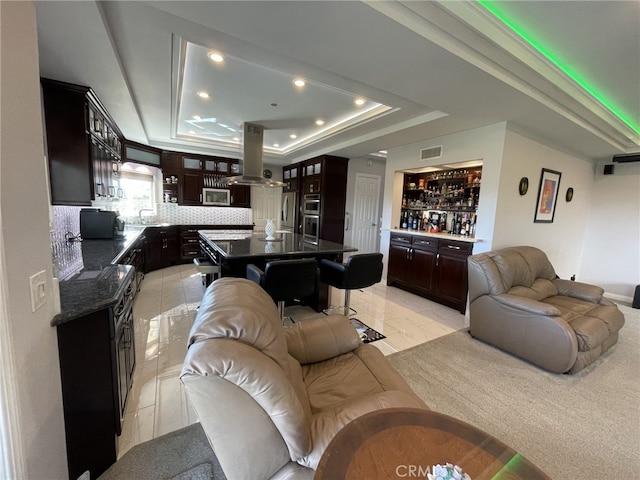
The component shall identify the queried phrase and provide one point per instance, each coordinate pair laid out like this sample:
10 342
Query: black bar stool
209 270
286 280
360 271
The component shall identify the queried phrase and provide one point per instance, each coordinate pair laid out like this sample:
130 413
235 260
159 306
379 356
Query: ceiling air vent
431 152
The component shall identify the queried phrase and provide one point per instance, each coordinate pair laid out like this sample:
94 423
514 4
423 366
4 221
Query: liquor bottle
404 220
415 222
410 221
404 201
443 221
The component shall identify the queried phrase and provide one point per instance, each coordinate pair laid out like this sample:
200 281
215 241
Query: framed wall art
547 196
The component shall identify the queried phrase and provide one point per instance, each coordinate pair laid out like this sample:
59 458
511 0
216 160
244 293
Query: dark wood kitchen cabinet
161 247
84 145
97 362
435 268
195 172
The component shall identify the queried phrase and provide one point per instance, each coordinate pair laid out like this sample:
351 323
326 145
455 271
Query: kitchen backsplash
66 219
176 214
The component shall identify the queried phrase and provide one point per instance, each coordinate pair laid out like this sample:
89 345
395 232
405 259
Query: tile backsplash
176 214
66 219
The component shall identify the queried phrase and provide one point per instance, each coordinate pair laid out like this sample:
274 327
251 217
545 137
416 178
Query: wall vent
431 152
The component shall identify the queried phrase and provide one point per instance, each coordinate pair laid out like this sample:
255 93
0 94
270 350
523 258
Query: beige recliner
270 398
517 303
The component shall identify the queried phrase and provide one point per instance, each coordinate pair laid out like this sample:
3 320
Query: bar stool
209 270
286 280
360 271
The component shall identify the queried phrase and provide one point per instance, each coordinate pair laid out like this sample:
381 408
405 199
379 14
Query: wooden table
407 443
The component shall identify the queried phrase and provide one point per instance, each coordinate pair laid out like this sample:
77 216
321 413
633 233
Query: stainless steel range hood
251 164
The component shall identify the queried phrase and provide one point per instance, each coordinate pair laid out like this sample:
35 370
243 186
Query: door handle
437 259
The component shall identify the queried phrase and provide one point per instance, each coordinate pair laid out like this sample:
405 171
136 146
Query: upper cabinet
194 172
84 145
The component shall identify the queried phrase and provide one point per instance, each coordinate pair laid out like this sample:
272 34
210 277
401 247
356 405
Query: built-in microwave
311 204
216 196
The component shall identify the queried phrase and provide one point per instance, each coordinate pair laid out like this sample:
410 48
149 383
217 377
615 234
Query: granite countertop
89 277
445 235
237 244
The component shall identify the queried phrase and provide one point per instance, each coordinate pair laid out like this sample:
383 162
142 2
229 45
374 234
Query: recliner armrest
582 291
526 304
255 274
321 338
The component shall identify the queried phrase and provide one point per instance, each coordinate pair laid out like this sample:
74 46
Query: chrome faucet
144 210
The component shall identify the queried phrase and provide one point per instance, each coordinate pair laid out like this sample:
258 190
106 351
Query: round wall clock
524 185
267 173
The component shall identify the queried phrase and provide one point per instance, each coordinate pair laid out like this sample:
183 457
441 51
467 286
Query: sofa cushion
522 265
540 289
254 322
321 338
327 423
592 323
259 376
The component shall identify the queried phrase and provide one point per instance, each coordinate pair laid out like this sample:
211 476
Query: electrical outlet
39 290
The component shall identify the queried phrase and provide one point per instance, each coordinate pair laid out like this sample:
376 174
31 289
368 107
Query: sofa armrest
321 338
527 304
582 291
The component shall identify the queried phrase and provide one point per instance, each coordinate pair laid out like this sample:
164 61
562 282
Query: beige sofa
517 303
270 398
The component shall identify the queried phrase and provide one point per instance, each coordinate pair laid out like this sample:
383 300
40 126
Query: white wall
563 239
611 256
368 166
25 228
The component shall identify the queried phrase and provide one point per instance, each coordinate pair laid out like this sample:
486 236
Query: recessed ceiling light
216 57
359 101
276 145
196 117
319 122
203 94
298 82
293 135
192 132
236 139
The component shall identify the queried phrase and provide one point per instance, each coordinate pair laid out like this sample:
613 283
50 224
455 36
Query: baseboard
619 298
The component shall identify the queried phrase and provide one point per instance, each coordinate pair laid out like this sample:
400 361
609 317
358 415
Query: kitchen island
234 250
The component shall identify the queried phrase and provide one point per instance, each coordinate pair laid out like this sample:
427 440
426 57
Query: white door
265 203
366 213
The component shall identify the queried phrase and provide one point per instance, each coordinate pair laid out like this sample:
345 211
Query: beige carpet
583 426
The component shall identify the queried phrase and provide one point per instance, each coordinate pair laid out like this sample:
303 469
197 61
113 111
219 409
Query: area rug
367 334
181 455
582 426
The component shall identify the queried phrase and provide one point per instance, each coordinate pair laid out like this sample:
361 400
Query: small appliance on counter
100 224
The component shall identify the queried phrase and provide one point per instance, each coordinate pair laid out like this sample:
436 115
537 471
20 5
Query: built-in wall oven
311 218
311 228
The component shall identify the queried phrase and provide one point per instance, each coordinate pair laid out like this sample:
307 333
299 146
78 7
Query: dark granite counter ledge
92 290
90 279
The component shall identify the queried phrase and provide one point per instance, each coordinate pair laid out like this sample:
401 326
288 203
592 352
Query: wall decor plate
569 196
523 187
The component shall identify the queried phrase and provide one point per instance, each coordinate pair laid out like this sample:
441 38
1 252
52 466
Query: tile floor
164 311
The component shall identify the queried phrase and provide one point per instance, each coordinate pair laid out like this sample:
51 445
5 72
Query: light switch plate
39 290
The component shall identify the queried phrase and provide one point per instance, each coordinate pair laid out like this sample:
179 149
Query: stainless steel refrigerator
288 211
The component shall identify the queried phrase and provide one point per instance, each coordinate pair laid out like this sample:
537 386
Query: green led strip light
493 7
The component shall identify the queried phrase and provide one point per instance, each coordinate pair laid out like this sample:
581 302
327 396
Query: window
138 193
